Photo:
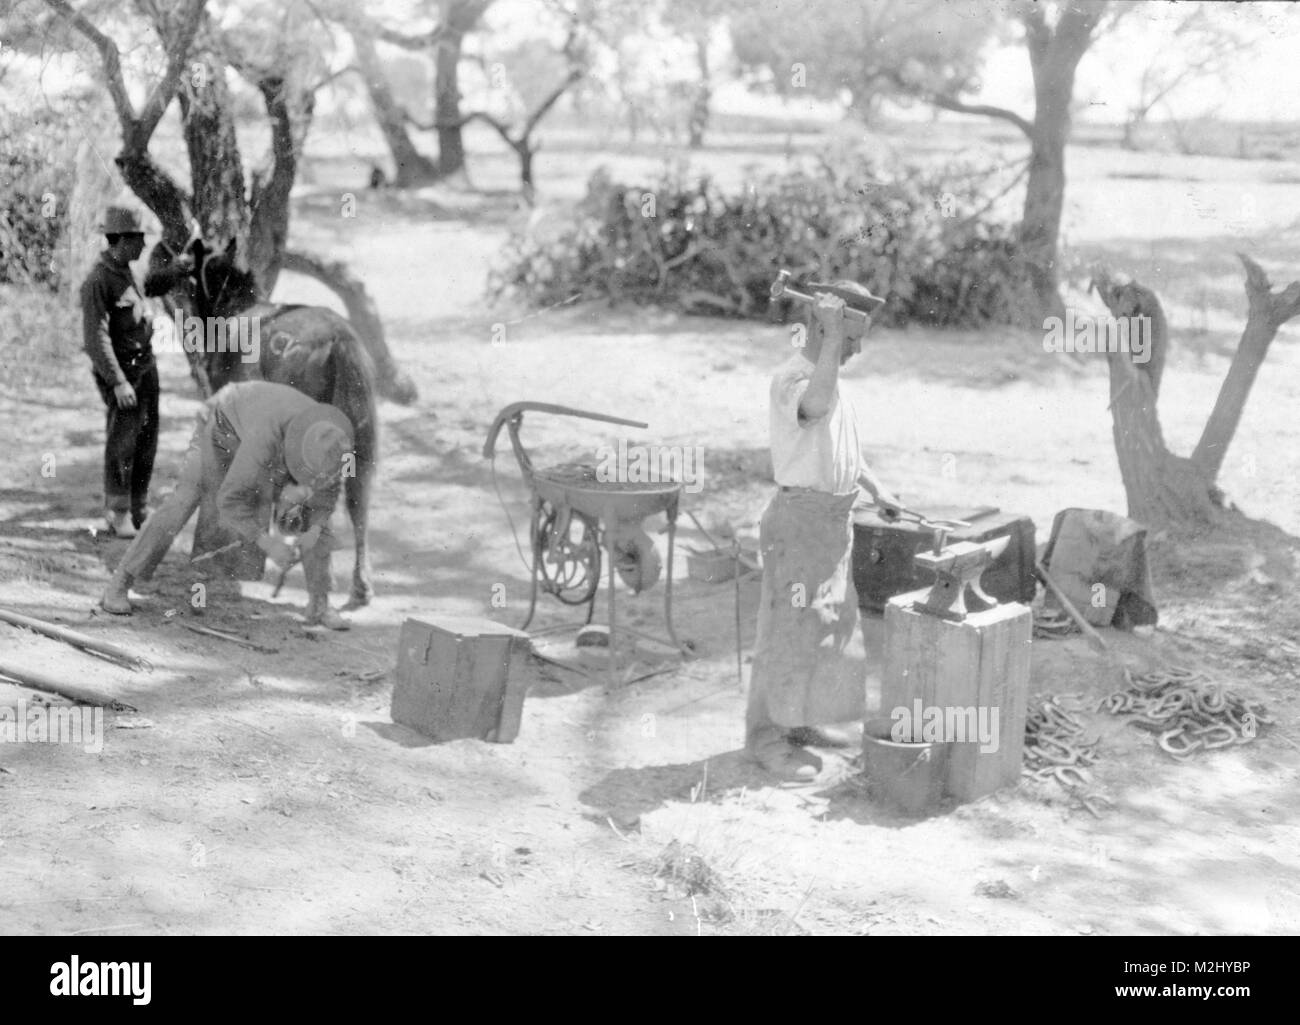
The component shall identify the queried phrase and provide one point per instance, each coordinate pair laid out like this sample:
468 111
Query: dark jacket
117 331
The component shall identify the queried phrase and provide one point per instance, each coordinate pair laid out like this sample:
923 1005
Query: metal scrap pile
1187 711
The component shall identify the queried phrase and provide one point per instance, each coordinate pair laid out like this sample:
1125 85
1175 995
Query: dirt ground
272 793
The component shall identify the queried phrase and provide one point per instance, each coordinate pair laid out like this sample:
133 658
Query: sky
1264 83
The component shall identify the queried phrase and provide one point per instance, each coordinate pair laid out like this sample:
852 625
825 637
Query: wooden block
979 664
454 679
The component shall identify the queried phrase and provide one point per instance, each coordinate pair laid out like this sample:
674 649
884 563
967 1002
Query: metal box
883 553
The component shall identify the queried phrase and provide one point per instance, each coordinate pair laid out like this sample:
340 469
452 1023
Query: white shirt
823 454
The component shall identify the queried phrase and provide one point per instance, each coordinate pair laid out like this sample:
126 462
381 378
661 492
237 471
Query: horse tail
354 394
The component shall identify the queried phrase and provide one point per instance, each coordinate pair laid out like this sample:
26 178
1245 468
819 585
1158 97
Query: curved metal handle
516 408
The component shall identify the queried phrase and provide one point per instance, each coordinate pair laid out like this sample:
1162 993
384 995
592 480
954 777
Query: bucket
908 776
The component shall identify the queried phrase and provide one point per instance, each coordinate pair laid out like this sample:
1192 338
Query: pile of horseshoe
1057 746
1187 711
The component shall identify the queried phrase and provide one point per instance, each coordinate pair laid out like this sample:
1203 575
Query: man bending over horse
255 441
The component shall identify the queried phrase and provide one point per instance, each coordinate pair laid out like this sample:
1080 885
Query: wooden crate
979 662
454 679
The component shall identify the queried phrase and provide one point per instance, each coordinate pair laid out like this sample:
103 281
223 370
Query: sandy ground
272 792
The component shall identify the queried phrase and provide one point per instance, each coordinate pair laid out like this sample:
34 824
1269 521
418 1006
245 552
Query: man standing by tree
808 611
117 332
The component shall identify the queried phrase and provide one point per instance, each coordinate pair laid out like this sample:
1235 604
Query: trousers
207 460
131 440
803 674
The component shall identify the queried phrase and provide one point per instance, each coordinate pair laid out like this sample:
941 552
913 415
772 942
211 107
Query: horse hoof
359 599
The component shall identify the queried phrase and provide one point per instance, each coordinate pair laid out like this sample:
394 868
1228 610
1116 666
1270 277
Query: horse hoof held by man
259 448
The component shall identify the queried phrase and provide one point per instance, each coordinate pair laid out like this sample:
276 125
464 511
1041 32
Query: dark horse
310 348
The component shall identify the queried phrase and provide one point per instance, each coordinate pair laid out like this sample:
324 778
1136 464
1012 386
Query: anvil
955 568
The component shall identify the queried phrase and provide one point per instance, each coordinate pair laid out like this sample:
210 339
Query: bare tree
1056 40
411 167
1164 489
521 139
1204 45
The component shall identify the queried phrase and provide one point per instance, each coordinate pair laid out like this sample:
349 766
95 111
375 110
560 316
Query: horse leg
357 492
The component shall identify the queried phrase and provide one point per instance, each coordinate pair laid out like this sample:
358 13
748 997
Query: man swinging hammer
801 682
257 445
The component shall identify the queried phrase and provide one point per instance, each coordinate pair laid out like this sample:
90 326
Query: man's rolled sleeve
95 336
787 394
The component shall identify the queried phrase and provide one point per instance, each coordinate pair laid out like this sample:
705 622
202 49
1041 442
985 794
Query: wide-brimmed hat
854 295
315 443
122 220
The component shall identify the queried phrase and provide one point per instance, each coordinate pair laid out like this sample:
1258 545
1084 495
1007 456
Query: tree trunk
1164 489
272 187
412 168
394 383
446 103
1268 311
525 151
1053 58
699 117
218 199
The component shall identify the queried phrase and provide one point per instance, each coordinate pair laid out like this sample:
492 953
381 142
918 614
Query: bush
35 184
918 238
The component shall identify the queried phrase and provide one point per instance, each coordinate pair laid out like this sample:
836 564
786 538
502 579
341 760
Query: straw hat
122 220
853 294
315 443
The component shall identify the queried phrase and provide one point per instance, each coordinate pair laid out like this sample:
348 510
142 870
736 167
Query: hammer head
779 285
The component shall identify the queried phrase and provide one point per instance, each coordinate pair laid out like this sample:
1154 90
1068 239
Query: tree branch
981 109
332 76
161 94
574 75
422 41
110 58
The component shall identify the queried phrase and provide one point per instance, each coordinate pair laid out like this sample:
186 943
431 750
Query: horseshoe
1207 731
1165 742
1063 772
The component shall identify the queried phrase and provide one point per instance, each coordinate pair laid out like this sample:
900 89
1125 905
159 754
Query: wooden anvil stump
961 681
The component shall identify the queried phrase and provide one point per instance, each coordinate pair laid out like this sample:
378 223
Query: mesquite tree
256 215
932 50
1164 489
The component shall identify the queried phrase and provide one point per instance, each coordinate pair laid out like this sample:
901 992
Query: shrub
35 183
917 238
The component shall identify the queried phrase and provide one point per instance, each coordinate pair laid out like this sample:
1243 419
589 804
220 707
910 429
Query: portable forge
575 514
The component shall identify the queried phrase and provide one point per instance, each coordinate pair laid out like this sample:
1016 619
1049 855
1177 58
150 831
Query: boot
119 524
116 599
320 614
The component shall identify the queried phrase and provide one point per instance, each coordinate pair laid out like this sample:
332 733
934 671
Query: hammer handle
1094 638
803 297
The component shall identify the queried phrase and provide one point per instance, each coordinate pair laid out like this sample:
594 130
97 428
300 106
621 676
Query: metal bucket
908 776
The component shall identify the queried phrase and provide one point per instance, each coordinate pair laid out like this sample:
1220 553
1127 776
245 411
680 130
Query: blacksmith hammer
781 290
957 567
